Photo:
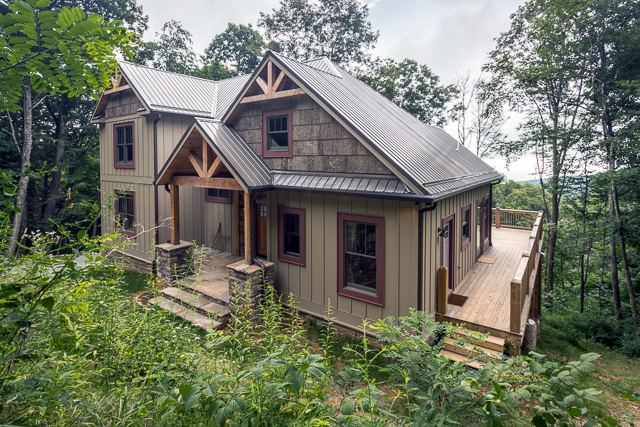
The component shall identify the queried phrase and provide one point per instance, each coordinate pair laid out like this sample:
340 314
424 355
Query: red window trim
465 242
301 260
117 226
378 299
117 165
218 199
265 115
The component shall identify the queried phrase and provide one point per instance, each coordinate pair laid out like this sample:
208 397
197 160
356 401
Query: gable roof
425 157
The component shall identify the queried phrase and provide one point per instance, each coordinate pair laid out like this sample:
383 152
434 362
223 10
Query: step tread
197 319
214 288
459 358
492 342
450 345
188 298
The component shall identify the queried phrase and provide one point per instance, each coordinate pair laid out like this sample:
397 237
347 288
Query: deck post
175 214
443 289
247 228
516 307
497 217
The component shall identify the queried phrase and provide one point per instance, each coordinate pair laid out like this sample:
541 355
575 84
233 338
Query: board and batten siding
432 254
316 283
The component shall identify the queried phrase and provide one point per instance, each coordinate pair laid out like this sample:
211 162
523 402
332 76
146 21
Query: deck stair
462 348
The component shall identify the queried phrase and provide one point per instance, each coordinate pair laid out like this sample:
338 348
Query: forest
78 348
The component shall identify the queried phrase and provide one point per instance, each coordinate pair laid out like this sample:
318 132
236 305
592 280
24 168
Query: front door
261 225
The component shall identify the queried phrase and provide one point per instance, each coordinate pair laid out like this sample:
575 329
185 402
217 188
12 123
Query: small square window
123 145
217 195
291 235
277 133
125 212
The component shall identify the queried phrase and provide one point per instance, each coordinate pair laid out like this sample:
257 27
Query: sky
450 36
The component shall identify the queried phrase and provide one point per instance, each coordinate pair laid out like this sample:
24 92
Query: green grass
134 282
615 375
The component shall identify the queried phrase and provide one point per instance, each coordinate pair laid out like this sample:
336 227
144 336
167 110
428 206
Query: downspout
155 176
421 250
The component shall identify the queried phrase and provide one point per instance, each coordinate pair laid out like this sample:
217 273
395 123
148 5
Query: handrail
513 218
526 281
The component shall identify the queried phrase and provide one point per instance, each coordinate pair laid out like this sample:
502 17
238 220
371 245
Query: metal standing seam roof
340 182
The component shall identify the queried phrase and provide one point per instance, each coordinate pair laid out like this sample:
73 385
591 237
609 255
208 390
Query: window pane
129 210
278 141
291 244
360 238
371 240
120 154
129 158
224 194
128 134
291 223
284 124
350 236
360 271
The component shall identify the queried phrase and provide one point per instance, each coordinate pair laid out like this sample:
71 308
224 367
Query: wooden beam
270 76
443 290
205 155
237 199
196 162
278 83
275 95
175 214
196 181
263 85
215 168
247 229
117 89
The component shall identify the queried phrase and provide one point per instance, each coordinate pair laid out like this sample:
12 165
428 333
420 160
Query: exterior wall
320 143
432 253
316 283
123 103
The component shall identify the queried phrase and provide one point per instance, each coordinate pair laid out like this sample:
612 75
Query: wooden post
237 233
443 289
247 229
497 217
516 307
175 214
205 156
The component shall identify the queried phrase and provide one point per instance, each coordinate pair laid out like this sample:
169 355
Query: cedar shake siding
123 103
320 143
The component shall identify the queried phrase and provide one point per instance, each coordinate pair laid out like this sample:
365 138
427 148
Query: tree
50 51
413 87
337 29
479 111
239 48
173 49
536 65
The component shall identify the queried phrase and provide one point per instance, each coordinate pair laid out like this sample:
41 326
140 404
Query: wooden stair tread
205 322
491 342
467 349
460 358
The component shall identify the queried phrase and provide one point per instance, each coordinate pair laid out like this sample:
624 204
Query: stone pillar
172 261
245 283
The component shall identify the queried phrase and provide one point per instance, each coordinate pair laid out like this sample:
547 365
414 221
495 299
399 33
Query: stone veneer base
245 284
172 261
129 262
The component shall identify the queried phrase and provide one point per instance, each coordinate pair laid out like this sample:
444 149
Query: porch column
247 229
175 214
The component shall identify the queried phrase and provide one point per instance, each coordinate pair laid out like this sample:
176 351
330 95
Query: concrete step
198 319
196 302
469 350
459 358
215 290
491 342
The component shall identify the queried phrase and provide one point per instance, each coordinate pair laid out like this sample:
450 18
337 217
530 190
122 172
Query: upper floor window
217 195
466 226
125 212
277 135
123 145
361 257
291 235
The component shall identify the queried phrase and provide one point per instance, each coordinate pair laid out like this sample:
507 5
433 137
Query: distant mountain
533 181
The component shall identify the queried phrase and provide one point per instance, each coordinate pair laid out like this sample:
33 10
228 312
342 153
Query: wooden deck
488 286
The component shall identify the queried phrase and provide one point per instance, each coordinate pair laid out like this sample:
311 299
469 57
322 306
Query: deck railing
511 218
525 286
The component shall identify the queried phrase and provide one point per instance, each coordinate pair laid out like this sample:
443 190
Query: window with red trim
123 152
291 235
217 195
277 134
361 257
125 212
466 226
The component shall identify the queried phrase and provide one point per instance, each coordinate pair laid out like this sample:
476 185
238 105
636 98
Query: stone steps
214 288
197 303
198 319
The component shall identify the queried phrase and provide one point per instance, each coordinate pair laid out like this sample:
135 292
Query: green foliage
514 195
173 49
337 29
239 48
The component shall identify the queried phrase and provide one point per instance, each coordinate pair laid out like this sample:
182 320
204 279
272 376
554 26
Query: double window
361 257
466 226
291 238
277 135
217 195
125 212
123 145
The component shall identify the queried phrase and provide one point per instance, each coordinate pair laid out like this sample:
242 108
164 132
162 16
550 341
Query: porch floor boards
488 286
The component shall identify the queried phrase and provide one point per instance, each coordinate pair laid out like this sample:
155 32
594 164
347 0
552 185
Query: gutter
429 208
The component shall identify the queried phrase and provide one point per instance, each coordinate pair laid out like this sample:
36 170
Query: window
277 136
291 235
125 212
361 257
123 145
217 195
466 226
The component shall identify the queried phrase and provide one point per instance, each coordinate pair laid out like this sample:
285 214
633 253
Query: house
344 196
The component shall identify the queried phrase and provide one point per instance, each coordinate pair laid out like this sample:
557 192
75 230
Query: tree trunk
61 136
553 223
613 266
27 140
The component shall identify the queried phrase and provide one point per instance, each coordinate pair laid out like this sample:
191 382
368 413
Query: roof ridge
307 65
180 74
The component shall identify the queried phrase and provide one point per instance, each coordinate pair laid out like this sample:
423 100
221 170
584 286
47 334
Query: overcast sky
450 36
